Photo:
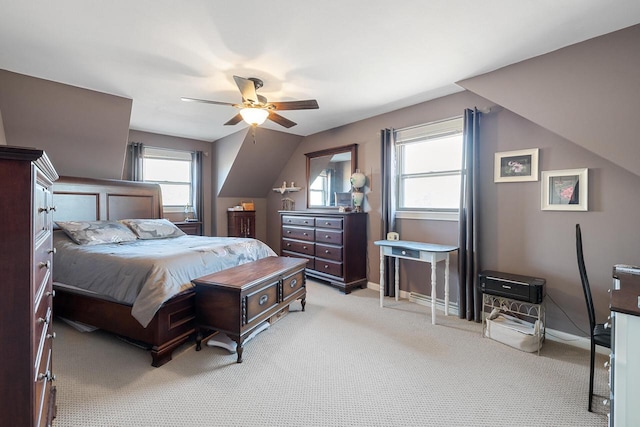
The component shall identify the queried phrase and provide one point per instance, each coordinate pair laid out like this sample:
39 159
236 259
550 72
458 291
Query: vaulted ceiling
358 58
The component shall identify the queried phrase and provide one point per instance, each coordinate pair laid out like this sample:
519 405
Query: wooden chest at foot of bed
237 300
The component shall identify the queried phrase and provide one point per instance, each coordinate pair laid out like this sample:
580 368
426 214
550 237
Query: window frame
429 131
168 208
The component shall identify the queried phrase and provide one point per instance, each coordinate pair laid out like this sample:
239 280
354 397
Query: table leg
397 272
433 288
381 276
446 285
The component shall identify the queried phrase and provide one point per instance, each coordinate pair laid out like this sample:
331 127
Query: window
429 168
174 171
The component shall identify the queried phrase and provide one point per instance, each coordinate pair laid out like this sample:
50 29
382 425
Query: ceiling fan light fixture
254 116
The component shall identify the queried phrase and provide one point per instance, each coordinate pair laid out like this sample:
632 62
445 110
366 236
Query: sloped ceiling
588 93
63 119
249 163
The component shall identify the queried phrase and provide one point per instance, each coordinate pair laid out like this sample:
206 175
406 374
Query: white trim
432 215
550 334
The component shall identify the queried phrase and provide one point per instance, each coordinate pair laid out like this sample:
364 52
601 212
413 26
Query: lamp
189 213
254 116
358 180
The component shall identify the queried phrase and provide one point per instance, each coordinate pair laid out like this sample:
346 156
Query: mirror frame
352 148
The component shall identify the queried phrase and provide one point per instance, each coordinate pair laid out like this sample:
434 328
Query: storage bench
237 300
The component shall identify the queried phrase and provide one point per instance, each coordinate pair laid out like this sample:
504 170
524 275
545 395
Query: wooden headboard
88 199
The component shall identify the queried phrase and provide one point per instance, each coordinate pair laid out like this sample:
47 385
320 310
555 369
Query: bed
138 288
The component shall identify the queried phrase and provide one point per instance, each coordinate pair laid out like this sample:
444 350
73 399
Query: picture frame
516 166
565 190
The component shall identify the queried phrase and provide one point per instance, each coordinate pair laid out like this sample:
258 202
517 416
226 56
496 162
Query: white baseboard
550 334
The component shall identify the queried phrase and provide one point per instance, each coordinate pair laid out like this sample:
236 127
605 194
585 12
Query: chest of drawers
237 300
241 224
335 243
193 228
27 394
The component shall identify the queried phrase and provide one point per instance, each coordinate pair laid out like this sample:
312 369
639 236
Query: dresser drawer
292 283
329 223
42 319
307 221
43 260
408 253
329 267
299 233
329 236
261 300
312 261
42 380
301 247
329 252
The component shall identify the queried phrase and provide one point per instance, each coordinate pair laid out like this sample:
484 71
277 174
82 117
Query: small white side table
417 251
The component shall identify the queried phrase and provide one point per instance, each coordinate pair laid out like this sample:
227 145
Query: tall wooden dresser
335 243
241 224
27 394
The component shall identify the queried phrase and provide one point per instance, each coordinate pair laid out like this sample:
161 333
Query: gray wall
587 93
516 235
83 132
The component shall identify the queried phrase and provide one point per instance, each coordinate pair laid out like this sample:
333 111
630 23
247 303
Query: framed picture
565 190
513 166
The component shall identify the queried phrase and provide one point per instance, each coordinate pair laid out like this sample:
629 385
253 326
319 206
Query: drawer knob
45 376
326 266
305 234
304 247
404 252
288 231
45 210
326 251
294 282
51 336
43 320
326 236
45 264
327 223
52 251
288 245
52 208
263 299
306 222
51 293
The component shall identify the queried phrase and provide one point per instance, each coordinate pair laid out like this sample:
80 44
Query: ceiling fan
255 109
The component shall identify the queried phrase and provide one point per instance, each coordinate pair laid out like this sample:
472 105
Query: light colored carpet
343 362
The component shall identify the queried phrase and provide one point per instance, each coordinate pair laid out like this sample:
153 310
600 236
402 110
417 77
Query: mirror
328 176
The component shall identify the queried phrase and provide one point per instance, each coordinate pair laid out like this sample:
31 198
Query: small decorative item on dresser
358 180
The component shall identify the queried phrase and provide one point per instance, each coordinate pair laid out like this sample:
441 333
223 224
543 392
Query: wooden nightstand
190 227
241 224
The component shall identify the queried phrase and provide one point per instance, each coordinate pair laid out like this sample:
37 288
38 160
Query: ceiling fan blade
309 104
282 121
247 89
234 120
206 101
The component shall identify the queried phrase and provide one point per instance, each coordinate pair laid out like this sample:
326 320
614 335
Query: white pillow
147 229
96 232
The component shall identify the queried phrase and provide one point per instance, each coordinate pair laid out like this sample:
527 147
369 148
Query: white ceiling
358 58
